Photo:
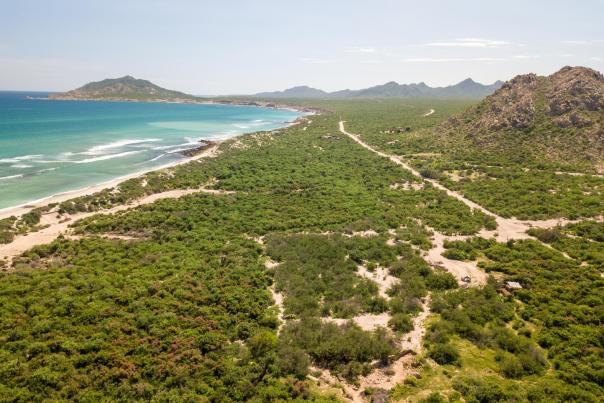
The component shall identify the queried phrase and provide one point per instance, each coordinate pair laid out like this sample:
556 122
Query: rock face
573 91
512 106
560 115
124 88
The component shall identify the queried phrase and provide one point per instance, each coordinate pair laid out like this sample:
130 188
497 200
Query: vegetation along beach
411 241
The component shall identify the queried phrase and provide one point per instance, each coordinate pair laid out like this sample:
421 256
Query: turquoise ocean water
49 147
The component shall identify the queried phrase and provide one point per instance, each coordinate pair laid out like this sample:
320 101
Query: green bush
444 354
401 322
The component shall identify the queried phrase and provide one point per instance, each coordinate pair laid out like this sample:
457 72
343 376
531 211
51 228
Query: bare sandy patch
407 185
459 269
381 276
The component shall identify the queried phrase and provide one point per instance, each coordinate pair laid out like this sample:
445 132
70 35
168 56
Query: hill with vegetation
123 88
557 118
467 89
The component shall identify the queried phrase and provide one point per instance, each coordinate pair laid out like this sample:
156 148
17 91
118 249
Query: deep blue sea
49 147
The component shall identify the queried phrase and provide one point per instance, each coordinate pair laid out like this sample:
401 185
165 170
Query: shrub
434 397
511 367
548 235
444 354
441 280
401 322
430 173
485 390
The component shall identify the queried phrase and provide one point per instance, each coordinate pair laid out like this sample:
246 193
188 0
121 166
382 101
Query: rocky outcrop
571 93
561 116
512 106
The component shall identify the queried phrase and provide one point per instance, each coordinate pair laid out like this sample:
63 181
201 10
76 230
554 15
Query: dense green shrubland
559 311
183 309
178 311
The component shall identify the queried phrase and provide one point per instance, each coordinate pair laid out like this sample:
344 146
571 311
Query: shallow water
49 147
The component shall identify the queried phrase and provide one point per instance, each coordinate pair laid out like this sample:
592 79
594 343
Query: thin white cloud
361 50
526 57
372 61
453 59
597 59
315 61
576 42
469 43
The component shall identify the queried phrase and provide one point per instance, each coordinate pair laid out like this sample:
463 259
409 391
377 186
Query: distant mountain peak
468 81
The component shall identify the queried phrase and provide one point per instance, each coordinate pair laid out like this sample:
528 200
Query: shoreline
88 190
195 101
207 152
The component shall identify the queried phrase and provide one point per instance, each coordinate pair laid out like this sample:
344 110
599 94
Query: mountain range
130 88
468 89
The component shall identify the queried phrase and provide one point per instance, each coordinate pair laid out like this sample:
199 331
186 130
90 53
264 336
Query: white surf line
58 225
21 209
507 228
429 113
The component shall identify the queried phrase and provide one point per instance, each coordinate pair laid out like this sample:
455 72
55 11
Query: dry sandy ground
459 269
277 296
57 225
384 281
389 376
381 276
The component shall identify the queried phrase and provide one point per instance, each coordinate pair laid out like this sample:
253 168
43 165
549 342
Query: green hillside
124 88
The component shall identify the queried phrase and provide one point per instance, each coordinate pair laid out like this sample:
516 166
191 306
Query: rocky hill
558 117
124 88
467 89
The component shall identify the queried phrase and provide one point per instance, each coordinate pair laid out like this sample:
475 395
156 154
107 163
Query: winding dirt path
507 228
431 112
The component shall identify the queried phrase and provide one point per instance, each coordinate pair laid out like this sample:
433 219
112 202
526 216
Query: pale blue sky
229 46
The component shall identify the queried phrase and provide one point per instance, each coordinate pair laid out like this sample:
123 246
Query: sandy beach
64 196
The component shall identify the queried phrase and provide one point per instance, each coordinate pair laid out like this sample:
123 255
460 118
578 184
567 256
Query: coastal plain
357 255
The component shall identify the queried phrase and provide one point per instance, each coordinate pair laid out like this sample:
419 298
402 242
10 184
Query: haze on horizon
241 47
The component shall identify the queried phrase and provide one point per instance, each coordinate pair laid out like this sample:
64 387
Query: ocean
50 147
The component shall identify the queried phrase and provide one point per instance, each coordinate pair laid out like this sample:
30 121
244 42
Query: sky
246 46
